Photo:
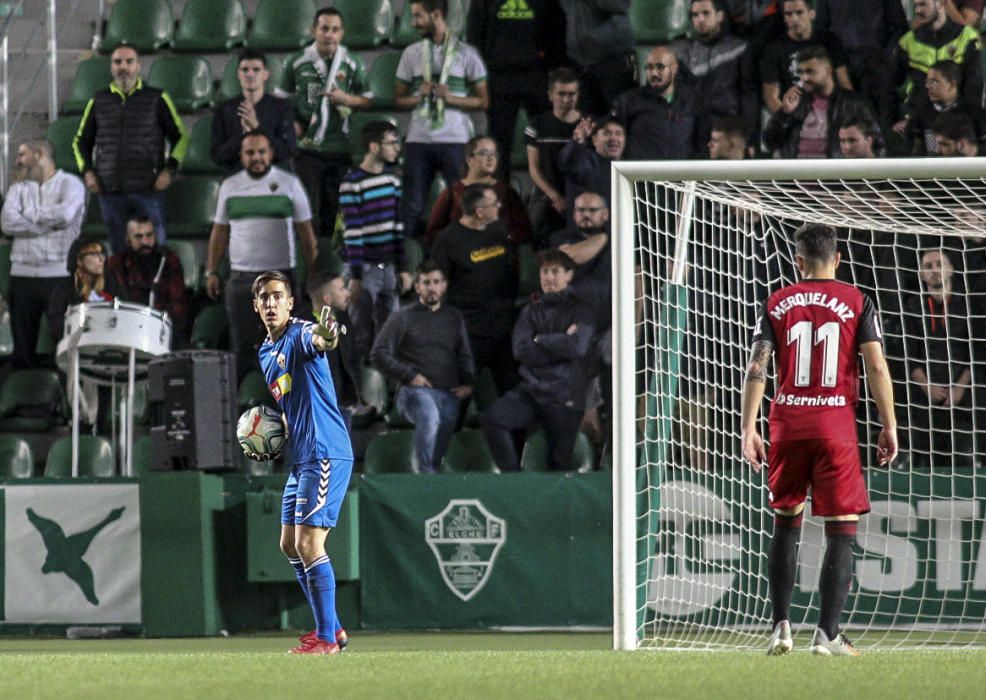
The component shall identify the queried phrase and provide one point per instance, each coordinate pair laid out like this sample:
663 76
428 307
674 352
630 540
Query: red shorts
831 467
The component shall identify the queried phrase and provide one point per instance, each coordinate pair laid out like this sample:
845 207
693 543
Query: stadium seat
468 452
198 159
210 329
93 225
327 261
391 453
382 78
281 25
191 206
368 22
356 122
191 263
31 401
148 25
46 342
109 415
210 25
484 393
659 21
396 420
529 277
16 459
61 132
6 337
374 390
91 75
535 455
404 34
229 86
95 457
253 391
186 79
518 150
141 460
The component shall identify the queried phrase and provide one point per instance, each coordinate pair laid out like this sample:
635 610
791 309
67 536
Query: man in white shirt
43 212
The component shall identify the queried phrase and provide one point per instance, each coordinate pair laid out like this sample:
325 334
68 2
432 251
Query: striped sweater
370 205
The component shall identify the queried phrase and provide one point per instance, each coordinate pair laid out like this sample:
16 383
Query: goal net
697 248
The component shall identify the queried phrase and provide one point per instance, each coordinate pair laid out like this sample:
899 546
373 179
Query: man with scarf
328 82
150 274
439 79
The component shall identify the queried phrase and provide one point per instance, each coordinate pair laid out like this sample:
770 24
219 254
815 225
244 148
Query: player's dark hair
426 268
815 243
866 126
256 132
270 276
140 221
553 256
375 132
330 12
472 195
955 125
251 55
810 4
812 53
717 5
950 71
564 74
732 127
433 5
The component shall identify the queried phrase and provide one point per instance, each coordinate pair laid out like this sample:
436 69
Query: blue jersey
299 378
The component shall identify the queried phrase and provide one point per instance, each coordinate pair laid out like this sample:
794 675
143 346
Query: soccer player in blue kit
321 454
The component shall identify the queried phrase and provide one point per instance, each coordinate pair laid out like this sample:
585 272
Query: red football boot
319 647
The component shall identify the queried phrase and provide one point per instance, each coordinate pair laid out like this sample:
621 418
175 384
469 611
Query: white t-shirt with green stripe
467 68
261 215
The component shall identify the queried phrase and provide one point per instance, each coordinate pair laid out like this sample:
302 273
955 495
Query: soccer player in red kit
817 328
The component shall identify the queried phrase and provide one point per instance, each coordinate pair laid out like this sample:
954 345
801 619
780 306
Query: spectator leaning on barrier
129 144
328 82
43 212
255 109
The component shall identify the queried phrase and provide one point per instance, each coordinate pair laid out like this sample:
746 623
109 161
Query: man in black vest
128 146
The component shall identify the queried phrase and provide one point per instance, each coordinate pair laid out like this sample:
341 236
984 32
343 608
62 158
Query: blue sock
322 588
299 571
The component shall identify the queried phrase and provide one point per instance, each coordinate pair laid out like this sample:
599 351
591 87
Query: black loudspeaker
192 395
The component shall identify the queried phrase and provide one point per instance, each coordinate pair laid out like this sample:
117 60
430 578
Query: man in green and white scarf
439 79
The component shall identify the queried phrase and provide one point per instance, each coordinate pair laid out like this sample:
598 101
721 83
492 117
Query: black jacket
863 26
122 138
658 129
783 131
554 368
276 117
583 170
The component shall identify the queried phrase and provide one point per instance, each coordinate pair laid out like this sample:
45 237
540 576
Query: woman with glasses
88 283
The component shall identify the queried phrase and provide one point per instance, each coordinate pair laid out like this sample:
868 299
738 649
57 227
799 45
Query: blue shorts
314 492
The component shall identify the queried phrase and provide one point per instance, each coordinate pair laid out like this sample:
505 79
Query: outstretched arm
878 377
753 389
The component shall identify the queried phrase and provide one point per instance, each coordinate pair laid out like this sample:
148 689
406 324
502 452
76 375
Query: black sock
836 574
782 562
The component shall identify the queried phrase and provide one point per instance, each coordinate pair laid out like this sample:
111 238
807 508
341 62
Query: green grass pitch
492 665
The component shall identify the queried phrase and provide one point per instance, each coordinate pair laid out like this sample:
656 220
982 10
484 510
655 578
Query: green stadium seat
61 133
210 25
518 150
468 452
484 393
404 34
327 262
535 455
659 21
229 86
31 401
91 75
391 453
529 277
95 457
149 25
191 206
210 329
281 25
374 390
109 415
254 391
186 79
6 337
93 225
198 159
191 263
142 456
357 120
16 459
367 22
382 78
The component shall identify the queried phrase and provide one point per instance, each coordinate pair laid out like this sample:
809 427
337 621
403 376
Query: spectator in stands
481 168
43 212
519 42
328 82
552 341
857 138
750 18
806 125
955 136
587 244
424 347
139 139
943 96
259 211
355 341
727 139
599 43
937 335
479 262
373 239
546 134
869 31
967 12
661 115
440 78
585 168
255 109
87 283
721 70
779 65
937 38
148 273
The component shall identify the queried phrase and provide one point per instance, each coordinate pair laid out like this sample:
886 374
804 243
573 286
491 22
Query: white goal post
695 247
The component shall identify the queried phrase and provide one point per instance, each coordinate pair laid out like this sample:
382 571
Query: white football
260 432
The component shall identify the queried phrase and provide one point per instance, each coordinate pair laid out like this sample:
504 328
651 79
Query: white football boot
840 646
780 641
